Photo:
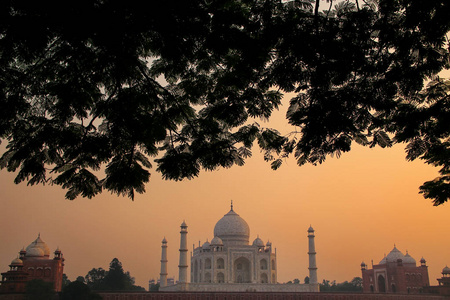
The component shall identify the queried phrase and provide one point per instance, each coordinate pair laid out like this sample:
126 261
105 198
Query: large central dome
232 229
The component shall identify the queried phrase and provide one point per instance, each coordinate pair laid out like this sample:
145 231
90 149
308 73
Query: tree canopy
91 91
78 290
353 286
38 289
113 279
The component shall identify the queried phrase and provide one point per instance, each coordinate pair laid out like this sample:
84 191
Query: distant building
229 263
396 273
34 262
153 282
443 288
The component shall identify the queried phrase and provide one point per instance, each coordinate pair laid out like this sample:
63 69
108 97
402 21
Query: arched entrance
263 264
220 263
241 270
381 284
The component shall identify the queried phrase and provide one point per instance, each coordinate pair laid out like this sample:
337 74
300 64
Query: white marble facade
230 263
229 258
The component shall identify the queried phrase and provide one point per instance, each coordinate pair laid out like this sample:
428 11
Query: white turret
163 274
312 257
183 265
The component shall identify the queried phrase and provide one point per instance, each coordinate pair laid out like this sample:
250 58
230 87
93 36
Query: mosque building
34 262
396 273
230 263
443 288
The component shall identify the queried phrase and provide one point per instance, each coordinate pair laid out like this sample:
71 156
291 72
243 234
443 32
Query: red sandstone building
444 284
34 262
396 273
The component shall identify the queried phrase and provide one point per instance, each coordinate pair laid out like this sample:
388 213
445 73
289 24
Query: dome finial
231 204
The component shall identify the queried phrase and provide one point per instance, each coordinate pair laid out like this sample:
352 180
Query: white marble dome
393 256
408 259
17 262
232 229
35 252
216 241
38 243
446 270
206 245
258 242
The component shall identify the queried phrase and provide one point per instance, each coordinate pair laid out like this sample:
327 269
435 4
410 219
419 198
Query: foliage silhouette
353 286
113 279
78 290
91 92
38 289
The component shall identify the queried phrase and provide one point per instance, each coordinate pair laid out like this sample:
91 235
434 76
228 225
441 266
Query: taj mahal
230 263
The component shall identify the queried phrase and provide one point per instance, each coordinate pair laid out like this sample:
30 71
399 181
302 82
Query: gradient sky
360 206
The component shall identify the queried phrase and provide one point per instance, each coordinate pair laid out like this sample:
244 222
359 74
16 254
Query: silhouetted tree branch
91 92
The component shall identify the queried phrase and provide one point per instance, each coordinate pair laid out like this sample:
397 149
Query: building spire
163 273
312 257
183 265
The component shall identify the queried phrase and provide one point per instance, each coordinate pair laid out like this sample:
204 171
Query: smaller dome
206 245
35 252
310 229
17 262
164 241
57 250
408 259
258 242
422 260
269 244
216 241
446 270
363 264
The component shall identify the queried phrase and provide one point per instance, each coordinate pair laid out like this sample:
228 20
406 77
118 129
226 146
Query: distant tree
65 280
113 279
154 287
357 282
296 281
38 289
95 279
88 106
116 278
80 279
354 286
78 290
326 285
289 282
306 280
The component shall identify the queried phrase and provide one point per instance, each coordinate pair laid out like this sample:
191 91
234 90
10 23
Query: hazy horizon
360 206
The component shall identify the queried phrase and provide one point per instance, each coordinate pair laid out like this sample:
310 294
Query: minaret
183 265
312 257
163 274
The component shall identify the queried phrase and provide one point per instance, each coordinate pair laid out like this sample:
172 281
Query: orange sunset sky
360 206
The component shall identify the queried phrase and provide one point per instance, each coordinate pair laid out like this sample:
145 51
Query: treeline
98 279
116 279
355 285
